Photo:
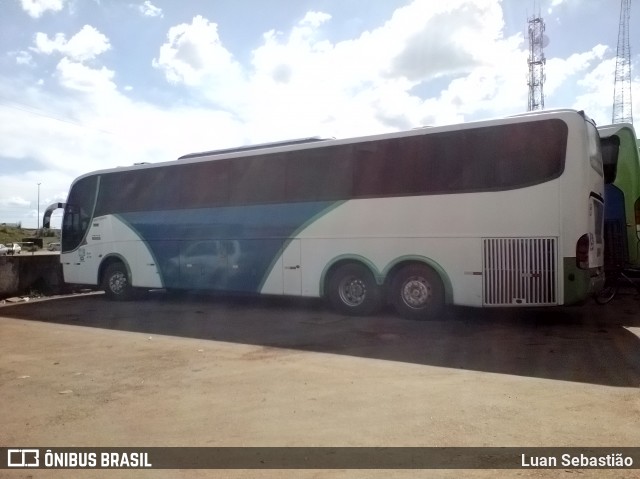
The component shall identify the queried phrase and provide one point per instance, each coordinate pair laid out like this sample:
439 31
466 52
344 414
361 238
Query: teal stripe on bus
224 249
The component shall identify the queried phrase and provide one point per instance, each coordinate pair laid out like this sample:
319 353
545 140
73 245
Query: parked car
54 247
3 250
14 248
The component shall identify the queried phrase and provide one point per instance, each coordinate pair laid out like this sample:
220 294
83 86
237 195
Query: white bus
494 213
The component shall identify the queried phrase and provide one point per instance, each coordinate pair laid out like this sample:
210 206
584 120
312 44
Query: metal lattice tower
537 41
622 106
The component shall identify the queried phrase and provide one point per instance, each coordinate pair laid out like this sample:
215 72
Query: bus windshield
78 212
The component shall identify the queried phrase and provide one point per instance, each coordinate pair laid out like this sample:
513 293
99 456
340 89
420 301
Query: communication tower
537 41
622 106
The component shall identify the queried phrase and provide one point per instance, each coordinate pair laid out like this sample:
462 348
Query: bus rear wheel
417 293
353 290
116 282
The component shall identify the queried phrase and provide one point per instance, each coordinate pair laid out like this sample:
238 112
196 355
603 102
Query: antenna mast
622 106
537 42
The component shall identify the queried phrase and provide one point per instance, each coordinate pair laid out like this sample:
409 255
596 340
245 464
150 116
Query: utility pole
38 230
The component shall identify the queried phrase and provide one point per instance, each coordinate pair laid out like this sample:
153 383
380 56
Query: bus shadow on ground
588 344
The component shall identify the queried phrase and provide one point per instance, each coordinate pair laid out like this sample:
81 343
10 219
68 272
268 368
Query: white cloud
15 201
48 46
195 56
150 10
23 58
554 4
452 38
300 82
71 71
558 70
35 8
77 76
87 44
194 52
596 95
365 84
315 19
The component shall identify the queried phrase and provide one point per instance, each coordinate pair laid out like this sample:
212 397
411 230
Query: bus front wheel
116 282
417 293
353 290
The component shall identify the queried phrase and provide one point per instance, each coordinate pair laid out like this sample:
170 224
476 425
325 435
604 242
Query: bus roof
609 130
258 146
316 142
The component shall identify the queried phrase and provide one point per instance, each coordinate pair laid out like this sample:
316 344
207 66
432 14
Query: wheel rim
118 282
416 292
352 291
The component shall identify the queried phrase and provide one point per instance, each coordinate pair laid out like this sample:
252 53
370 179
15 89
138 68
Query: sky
94 84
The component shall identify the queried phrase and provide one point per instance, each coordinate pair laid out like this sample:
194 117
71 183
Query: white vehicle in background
14 248
3 250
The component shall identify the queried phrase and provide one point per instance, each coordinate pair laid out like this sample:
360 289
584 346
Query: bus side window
378 169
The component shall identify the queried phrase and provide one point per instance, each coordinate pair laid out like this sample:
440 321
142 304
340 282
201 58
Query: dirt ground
205 371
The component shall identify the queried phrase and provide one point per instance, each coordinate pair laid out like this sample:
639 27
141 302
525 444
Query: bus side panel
80 266
100 244
224 249
631 154
582 212
446 230
460 259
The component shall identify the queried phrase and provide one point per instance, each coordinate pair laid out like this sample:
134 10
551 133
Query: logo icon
23 457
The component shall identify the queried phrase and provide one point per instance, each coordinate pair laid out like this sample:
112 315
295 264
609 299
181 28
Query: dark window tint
477 159
467 160
319 174
378 168
78 213
205 184
610 148
147 189
258 179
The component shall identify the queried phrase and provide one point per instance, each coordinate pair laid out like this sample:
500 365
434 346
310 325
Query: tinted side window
484 159
319 174
610 148
205 184
258 179
468 160
437 163
527 153
378 168
147 189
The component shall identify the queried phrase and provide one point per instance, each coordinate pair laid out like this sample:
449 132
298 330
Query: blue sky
92 84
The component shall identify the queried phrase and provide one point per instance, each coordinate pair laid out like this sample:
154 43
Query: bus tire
353 290
116 282
417 293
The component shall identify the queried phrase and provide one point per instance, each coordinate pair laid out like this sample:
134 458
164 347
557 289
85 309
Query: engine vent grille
519 271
